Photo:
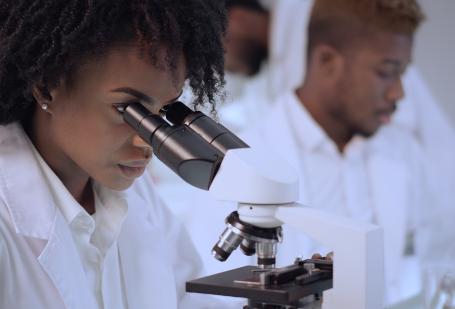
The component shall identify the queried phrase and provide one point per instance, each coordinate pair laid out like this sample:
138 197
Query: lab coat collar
306 130
60 260
276 128
145 269
35 215
278 134
30 203
310 136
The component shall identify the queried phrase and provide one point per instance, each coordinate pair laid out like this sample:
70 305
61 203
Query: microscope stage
240 282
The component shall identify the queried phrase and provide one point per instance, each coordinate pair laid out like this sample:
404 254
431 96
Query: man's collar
308 132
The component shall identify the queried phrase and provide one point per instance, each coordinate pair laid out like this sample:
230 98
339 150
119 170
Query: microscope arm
266 190
358 272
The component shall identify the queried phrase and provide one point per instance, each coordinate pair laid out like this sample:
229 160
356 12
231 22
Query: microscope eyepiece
212 132
143 121
176 112
177 146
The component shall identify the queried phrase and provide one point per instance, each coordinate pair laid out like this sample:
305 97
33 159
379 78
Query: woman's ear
42 96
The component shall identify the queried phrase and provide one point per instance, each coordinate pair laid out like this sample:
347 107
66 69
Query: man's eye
387 75
384 74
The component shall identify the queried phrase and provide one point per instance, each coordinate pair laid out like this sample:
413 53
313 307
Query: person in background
272 36
418 114
80 226
357 54
264 43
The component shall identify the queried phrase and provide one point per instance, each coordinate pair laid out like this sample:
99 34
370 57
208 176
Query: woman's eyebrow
141 96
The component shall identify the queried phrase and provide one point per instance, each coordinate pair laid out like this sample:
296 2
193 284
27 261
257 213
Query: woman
79 226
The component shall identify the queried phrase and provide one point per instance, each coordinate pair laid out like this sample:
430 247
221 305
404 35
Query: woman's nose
140 143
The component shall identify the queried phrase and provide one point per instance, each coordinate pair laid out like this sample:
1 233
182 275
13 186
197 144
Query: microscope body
358 280
208 156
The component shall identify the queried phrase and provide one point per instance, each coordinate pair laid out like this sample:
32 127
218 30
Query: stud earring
44 106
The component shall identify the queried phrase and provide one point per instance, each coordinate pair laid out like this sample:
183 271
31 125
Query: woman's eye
121 107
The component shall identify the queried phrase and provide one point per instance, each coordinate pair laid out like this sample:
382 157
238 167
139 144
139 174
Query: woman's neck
75 180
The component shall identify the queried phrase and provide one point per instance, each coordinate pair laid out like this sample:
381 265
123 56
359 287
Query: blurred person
80 227
283 69
357 54
418 114
264 43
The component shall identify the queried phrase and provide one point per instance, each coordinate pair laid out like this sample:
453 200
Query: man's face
244 51
88 135
369 85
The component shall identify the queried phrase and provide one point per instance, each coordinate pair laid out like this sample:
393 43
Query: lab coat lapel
278 130
279 135
61 262
146 268
390 198
36 218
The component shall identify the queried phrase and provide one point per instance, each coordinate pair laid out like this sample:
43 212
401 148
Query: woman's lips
133 169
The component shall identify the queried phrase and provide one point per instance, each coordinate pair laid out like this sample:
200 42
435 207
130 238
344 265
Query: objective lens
248 247
229 241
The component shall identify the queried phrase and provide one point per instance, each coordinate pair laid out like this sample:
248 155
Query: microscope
208 156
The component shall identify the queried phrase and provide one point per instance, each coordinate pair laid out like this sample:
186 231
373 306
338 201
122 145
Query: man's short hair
340 23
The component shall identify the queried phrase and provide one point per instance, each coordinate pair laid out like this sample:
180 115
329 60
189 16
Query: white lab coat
39 263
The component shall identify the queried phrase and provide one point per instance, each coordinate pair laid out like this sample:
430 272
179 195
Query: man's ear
328 60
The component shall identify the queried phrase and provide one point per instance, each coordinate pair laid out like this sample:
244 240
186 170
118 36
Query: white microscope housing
266 190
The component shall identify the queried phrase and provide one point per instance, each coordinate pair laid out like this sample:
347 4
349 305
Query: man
357 53
283 69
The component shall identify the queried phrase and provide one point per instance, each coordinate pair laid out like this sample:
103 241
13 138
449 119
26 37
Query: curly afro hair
42 42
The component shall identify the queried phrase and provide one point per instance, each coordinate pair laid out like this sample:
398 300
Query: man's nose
396 91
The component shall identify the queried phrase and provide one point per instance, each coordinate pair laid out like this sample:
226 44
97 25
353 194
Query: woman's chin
117 183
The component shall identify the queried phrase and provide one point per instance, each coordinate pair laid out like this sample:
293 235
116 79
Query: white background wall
434 51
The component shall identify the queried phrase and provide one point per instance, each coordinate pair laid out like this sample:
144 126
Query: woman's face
83 131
